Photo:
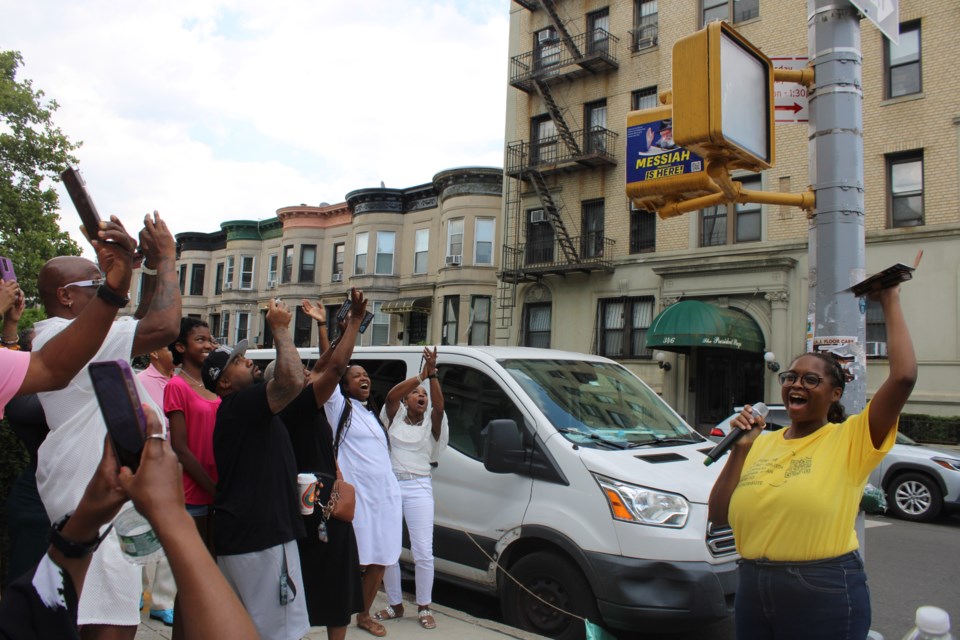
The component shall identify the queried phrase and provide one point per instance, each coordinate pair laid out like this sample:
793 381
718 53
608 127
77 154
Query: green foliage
33 152
931 429
30 317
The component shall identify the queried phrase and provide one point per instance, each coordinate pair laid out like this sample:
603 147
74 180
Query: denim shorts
198 510
824 599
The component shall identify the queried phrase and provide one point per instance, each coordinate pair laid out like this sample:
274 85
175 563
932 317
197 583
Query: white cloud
222 109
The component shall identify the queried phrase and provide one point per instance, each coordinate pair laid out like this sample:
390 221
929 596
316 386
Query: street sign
883 13
790 98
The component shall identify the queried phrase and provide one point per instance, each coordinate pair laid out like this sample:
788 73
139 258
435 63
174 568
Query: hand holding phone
77 189
116 390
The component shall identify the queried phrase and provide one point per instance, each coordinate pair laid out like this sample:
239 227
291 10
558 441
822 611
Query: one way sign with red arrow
790 98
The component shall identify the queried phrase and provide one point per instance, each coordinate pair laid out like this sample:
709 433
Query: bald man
69 456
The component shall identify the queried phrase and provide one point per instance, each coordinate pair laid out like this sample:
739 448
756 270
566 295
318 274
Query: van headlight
633 503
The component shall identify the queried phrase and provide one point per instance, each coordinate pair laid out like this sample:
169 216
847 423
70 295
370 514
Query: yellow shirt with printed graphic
797 499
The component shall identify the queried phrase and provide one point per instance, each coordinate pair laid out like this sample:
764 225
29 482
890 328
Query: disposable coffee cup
307 488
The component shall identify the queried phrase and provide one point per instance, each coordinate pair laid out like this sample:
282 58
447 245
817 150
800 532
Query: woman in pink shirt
192 412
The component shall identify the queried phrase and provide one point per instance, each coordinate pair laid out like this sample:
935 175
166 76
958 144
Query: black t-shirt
312 440
256 504
24 615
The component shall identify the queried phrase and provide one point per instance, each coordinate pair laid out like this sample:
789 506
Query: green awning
406 305
691 323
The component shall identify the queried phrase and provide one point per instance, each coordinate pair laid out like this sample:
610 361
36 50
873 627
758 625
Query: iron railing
538 257
596 48
595 146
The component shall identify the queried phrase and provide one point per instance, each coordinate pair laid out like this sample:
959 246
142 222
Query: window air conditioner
538 215
547 35
338 277
876 349
271 284
228 286
454 260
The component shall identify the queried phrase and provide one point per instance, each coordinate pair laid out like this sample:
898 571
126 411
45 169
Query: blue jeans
824 599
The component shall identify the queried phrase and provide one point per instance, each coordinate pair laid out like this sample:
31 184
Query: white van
568 472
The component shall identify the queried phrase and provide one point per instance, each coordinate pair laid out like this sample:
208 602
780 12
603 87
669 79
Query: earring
70 305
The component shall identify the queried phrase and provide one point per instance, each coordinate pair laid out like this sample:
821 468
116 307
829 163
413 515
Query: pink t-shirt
200 416
13 369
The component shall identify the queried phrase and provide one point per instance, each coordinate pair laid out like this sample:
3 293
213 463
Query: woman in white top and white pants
418 434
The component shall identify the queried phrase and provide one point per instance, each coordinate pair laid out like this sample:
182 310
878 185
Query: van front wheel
552 585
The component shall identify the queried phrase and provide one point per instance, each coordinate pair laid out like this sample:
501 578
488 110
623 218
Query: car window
384 375
471 400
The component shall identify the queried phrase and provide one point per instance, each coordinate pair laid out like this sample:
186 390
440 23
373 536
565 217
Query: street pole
836 253
836 236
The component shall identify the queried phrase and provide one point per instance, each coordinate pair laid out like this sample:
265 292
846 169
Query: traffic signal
723 105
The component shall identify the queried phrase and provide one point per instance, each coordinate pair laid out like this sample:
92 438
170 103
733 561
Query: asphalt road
908 565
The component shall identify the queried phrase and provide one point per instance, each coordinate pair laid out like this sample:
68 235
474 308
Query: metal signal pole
836 234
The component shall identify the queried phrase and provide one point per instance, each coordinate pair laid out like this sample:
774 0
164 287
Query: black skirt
331 572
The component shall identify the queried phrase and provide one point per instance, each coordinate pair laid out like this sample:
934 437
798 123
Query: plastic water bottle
932 623
138 540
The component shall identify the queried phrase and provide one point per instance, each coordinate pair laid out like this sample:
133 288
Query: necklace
189 377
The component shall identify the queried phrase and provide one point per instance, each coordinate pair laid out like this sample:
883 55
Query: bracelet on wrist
147 271
15 340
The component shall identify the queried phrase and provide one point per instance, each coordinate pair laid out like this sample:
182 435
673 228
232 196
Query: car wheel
914 496
548 578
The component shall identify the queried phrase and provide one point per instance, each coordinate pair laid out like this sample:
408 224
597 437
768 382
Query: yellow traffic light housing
723 100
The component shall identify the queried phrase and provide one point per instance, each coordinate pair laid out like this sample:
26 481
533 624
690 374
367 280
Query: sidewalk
450 624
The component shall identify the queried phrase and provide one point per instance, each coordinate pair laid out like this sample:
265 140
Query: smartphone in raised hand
77 189
344 310
6 269
367 319
116 389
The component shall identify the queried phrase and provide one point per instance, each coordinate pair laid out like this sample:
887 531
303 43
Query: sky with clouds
213 110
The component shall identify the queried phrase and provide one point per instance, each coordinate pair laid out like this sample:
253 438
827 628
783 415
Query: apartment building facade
425 256
583 270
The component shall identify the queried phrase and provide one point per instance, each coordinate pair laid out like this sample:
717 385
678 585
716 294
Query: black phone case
77 189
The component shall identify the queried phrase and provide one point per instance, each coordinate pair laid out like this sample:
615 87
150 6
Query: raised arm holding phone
43 603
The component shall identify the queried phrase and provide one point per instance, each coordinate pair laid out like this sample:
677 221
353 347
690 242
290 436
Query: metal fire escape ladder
551 9
553 212
557 116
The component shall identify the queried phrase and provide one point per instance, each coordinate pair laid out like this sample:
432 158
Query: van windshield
599 404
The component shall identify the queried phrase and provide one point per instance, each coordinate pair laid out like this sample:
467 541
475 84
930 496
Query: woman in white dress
363 454
418 435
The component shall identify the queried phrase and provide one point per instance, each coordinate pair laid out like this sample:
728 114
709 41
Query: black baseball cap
217 362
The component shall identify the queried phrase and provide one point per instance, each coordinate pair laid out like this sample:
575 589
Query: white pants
417 495
158 580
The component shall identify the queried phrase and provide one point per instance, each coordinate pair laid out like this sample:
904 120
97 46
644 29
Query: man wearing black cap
255 510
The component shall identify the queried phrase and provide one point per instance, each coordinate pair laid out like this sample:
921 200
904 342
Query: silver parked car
920 481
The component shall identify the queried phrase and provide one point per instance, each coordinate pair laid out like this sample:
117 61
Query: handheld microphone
731 438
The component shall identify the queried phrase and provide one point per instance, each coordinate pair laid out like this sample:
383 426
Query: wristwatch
112 297
69 548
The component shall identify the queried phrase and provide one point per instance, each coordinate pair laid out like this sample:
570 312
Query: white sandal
426 618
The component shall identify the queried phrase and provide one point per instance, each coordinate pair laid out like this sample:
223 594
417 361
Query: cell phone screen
120 405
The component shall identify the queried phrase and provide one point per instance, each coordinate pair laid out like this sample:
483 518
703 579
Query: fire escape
559 57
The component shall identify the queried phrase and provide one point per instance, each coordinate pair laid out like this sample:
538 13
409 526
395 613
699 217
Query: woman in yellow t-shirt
792 496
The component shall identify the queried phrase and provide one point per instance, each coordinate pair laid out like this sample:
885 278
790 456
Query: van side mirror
503 450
